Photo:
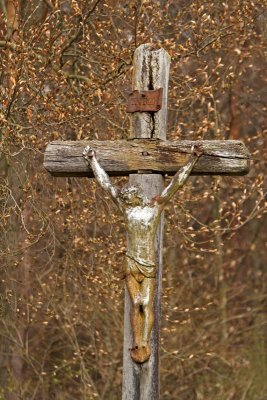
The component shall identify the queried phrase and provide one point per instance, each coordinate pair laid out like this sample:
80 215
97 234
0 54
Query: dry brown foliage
66 72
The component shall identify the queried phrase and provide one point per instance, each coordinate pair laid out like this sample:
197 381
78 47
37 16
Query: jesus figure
141 217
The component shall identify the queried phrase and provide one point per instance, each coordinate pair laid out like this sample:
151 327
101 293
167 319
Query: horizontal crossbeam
121 157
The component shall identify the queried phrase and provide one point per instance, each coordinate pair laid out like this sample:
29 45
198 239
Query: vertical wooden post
151 71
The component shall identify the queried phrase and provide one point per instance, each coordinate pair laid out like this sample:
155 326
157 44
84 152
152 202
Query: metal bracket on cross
145 100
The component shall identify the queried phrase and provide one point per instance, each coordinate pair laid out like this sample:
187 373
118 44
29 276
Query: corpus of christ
142 217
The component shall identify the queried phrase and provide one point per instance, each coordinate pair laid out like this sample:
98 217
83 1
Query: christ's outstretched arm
180 177
100 174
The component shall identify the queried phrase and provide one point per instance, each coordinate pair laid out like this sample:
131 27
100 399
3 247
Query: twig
79 30
212 41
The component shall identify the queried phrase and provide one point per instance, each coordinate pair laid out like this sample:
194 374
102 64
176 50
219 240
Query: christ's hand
88 153
197 150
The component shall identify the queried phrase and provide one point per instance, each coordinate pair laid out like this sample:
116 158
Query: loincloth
137 266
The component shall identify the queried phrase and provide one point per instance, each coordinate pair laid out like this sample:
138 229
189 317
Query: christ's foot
140 354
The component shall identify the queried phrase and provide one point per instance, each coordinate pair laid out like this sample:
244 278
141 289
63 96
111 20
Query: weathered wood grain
123 157
150 71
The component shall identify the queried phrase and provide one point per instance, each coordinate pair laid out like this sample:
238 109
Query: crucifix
146 157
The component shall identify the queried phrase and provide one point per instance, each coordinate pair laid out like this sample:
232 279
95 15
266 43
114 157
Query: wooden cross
146 157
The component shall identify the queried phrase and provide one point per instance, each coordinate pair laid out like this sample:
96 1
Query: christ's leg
142 317
147 292
137 316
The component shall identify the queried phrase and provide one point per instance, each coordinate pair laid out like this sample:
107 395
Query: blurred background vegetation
66 73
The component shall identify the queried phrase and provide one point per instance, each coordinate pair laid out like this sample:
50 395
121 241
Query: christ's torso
141 223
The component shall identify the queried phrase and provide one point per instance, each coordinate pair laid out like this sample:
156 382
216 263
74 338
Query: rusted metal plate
144 100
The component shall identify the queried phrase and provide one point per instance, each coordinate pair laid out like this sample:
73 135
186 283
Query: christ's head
132 196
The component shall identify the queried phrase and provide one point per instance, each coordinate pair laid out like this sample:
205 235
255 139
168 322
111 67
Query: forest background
66 73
